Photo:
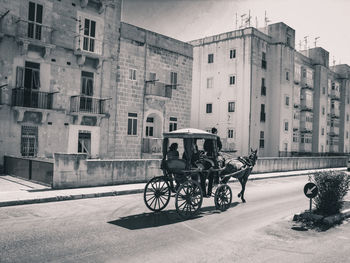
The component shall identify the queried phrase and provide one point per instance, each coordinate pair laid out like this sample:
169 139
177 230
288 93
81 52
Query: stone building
260 92
75 79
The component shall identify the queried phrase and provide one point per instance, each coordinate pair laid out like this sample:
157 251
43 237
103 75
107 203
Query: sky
187 20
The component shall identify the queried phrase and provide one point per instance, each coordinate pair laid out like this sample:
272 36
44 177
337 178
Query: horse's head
253 156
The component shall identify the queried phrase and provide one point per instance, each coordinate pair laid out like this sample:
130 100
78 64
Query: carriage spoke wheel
223 197
188 199
157 194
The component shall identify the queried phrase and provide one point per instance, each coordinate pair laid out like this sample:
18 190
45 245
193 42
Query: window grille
29 141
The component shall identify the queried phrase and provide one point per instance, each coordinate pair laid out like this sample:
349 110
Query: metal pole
310 204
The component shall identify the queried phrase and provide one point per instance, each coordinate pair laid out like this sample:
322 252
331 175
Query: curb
69 197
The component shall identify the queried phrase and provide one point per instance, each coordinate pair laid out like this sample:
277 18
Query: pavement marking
193 229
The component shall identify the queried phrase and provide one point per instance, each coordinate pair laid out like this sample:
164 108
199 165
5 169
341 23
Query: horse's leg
243 183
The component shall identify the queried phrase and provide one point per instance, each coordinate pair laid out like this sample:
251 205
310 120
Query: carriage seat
176 166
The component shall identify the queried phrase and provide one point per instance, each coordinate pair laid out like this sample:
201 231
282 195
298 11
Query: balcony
334 131
87 104
306 85
335 95
86 46
152 145
305 107
32 98
158 90
36 35
335 113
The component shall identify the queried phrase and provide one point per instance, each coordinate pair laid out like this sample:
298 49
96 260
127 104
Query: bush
332 188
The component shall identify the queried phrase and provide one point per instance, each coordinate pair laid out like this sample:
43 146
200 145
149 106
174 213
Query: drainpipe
144 92
251 88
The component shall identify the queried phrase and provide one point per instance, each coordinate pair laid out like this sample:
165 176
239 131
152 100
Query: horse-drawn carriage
196 175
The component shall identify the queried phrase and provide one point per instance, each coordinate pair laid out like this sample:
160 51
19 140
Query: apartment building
75 79
261 93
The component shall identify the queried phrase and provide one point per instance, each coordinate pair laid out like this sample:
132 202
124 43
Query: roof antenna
316 38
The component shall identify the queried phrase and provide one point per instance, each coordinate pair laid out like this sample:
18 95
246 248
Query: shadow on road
156 219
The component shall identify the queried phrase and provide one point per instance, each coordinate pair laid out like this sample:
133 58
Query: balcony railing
32 98
152 145
34 32
335 113
159 89
86 104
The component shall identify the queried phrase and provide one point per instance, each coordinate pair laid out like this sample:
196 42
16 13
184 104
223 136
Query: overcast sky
192 19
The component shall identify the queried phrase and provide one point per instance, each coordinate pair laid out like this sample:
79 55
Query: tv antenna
316 38
305 40
242 18
266 19
300 43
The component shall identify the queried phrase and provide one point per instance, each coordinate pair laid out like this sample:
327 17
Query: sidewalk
16 191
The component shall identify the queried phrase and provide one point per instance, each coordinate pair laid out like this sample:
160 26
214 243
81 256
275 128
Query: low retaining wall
75 170
267 165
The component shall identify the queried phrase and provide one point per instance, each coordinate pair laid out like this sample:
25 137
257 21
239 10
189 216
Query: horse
232 165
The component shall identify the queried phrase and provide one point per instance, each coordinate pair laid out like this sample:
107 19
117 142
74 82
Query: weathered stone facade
63 88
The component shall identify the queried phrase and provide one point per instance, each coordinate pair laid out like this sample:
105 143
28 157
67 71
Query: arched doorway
153 130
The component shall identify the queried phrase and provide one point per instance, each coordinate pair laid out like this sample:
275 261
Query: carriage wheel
188 199
156 194
223 197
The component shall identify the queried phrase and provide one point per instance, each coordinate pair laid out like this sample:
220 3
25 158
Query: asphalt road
121 229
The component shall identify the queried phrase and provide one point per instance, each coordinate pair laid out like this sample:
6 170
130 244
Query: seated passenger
173 154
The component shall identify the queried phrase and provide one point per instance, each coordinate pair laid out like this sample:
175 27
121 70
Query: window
263 60
287 100
323 110
209 83
347 117
304 73
285 146
29 79
29 141
173 79
132 74
295 136
35 20
262 140
231 106
210 58
209 108
286 125
132 123
232 80
173 124
230 133
87 83
263 87
347 135
333 85
287 75
262 113
84 142
89 35
152 76
87 80
149 126
322 131
323 90
232 53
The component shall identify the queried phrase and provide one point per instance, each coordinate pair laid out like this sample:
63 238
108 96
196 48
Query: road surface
121 229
